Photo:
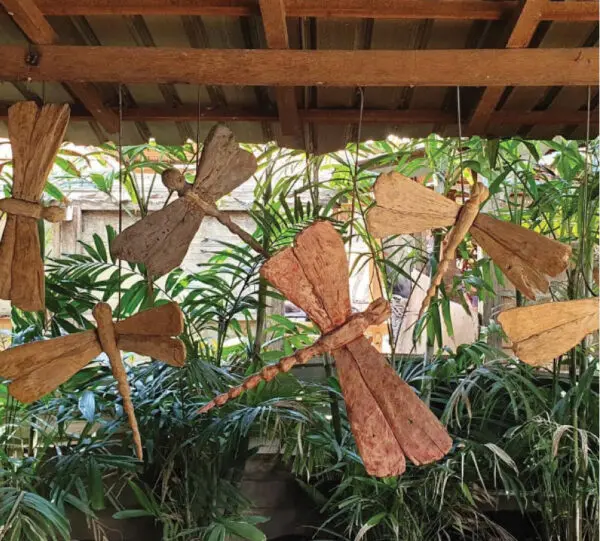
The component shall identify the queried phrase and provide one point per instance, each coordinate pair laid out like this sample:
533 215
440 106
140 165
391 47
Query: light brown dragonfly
40 367
388 420
35 136
526 257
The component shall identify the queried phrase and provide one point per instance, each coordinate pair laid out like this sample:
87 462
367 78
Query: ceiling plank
521 35
464 67
160 113
274 22
377 9
34 25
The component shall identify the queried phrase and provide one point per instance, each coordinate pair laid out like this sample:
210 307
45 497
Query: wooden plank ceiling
295 71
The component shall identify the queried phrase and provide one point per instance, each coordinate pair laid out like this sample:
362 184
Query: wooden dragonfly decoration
388 420
541 332
40 367
35 136
161 239
525 257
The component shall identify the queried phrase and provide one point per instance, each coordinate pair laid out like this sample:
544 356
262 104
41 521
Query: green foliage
521 436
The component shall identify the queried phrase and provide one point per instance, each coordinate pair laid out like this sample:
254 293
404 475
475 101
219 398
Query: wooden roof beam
463 67
34 25
188 113
523 30
376 9
274 22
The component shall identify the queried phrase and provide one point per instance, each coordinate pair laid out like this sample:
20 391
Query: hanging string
120 159
355 174
459 115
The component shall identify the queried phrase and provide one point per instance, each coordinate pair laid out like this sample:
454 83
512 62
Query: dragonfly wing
168 350
420 435
38 368
35 137
314 275
285 272
27 281
7 250
542 332
379 449
524 256
404 206
163 320
161 239
223 165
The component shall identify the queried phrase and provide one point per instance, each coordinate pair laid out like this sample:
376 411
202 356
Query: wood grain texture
466 217
256 67
34 25
186 113
35 136
524 28
314 275
543 332
108 340
161 240
163 320
375 9
36 369
273 16
18 207
524 256
405 206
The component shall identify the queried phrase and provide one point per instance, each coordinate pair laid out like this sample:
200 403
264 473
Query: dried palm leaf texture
526 257
35 135
541 332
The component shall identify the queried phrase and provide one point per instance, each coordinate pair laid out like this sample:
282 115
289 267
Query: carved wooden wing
525 257
223 165
404 206
149 333
40 367
542 332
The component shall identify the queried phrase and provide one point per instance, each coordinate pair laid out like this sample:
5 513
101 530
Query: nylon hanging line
355 175
120 158
459 115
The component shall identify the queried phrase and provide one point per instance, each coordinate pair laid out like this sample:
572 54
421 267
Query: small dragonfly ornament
40 367
526 257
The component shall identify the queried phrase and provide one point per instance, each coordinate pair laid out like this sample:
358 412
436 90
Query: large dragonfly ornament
526 257
388 420
40 367
161 239
35 136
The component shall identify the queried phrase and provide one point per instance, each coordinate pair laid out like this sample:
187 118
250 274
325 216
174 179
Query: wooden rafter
35 26
377 9
464 67
521 35
160 113
274 22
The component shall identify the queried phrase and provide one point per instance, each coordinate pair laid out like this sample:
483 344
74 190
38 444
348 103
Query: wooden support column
273 17
34 25
525 26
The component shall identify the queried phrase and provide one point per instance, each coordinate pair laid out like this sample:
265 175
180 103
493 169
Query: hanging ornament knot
352 329
29 209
